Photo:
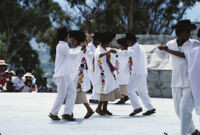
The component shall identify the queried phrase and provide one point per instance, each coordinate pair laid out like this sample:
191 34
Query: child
28 86
62 77
138 78
91 48
181 89
123 65
108 88
82 80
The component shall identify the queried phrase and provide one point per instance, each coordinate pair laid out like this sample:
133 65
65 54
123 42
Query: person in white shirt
181 87
28 86
80 74
19 80
91 48
105 81
122 64
62 77
138 78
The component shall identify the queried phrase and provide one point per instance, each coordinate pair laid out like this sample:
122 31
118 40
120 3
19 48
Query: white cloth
63 60
184 104
18 83
123 74
110 82
64 90
193 58
26 89
138 58
75 66
179 65
138 83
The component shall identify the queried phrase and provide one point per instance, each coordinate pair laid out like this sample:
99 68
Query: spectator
2 82
10 75
9 86
19 80
44 87
3 66
30 76
28 86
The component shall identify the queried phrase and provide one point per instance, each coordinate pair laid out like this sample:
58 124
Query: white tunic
76 63
105 81
179 65
138 58
193 58
121 63
91 48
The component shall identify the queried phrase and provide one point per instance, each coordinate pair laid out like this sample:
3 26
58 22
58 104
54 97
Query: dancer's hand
112 51
163 47
83 48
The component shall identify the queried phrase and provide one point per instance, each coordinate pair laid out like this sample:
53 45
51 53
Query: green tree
21 21
141 16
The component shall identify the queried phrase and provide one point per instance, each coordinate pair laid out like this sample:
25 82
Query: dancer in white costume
91 48
62 77
80 72
181 87
108 88
123 66
138 78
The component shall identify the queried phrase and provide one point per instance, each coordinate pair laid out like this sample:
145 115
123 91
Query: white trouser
184 105
95 95
64 89
138 83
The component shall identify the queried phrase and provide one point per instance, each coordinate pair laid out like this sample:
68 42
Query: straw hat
3 63
28 74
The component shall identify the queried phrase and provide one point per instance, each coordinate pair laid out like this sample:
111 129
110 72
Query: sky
193 13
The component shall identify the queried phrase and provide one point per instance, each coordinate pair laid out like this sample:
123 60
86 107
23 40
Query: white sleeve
62 49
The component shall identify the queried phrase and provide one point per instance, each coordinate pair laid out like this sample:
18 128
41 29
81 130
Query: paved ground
26 114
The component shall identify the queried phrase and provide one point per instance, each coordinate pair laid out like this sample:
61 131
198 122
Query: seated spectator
3 66
44 87
19 80
2 82
9 86
10 75
28 86
29 75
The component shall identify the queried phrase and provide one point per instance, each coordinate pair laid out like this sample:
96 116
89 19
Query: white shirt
179 65
63 61
138 58
110 82
26 89
18 83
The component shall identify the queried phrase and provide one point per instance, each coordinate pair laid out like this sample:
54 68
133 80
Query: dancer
91 66
62 77
181 89
108 88
124 67
138 78
82 80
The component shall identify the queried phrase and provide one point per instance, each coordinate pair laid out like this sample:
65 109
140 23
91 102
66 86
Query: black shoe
196 132
93 101
136 111
100 112
121 101
54 117
126 98
68 117
89 114
149 112
107 112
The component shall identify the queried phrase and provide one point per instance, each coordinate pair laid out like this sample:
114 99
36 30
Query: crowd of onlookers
19 81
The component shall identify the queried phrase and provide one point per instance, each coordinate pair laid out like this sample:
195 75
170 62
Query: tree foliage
140 16
21 21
